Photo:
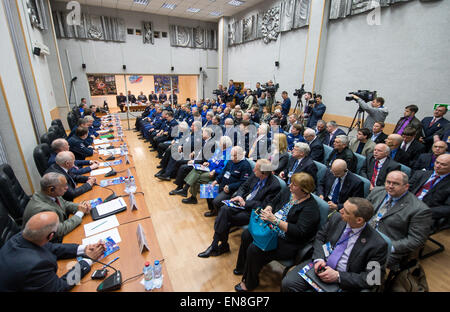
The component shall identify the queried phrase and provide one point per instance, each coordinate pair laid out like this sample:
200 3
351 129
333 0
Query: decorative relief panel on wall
188 37
287 15
344 8
91 27
147 34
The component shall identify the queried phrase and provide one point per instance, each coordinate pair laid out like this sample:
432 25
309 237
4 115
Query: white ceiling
154 6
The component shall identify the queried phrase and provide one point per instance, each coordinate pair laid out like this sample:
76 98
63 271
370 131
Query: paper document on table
101 225
114 233
100 171
111 206
102 146
101 141
114 151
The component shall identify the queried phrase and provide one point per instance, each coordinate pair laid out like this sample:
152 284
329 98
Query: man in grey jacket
375 110
401 216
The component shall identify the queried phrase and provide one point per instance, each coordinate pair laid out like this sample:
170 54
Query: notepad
101 141
101 225
114 233
114 151
100 171
109 208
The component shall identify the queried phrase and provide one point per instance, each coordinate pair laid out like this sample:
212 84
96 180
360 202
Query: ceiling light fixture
215 13
236 2
141 2
193 10
170 6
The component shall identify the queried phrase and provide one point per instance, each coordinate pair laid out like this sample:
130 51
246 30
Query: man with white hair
49 198
394 141
315 145
300 161
64 163
341 151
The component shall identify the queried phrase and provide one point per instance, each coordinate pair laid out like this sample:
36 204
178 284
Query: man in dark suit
426 161
394 141
400 216
443 135
339 184
433 124
355 246
299 162
121 101
321 131
378 165
378 136
131 97
64 163
29 260
315 145
162 97
260 188
411 145
333 132
341 151
433 187
78 145
409 119
153 97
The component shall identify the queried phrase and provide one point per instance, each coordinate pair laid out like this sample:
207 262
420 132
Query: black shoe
157 174
237 272
190 200
223 248
159 167
209 252
153 149
174 192
211 213
238 288
162 177
181 192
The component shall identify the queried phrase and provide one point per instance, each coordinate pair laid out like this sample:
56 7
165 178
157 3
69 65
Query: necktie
255 191
432 123
427 186
335 196
374 221
297 162
339 249
57 201
404 146
375 173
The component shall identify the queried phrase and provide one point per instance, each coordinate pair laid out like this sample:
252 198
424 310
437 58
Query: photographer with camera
270 90
376 111
317 110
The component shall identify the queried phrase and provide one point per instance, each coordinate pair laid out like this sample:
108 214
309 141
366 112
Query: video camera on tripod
365 95
270 89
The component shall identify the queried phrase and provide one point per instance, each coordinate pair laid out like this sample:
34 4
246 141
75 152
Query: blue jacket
286 106
218 161
234 175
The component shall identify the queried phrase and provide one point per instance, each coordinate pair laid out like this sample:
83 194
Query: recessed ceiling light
215 13
170 6
236 2
193 10
142 2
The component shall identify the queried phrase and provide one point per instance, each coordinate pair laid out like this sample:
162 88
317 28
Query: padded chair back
405 169
41 154
251 162
324 210
282 184
59 124
8 227
366 185
45 139
327 150
360 162
72 120
321 170
388 241
12 194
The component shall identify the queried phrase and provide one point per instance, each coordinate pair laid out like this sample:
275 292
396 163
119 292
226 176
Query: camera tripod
299 104
357 121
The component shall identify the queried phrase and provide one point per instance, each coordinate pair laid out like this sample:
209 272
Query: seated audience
339 184
315 145
409 119
394 141
362 144
377 166
295 214
77 144
426 161
299 162
378 136
295 136
261 145
431 125
279 156
333 131
341 151
49 198
29 259
259 189
354 246
321 132
400 216
411 145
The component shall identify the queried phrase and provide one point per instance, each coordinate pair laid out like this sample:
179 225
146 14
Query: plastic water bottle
127 185
157 275
148 276
132 185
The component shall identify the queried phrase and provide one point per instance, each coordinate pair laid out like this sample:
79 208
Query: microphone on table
111 196
113 282
112 172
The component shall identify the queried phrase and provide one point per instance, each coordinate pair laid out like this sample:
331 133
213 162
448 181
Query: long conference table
131 261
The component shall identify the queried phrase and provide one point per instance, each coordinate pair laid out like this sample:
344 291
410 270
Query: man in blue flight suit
77 143
158 126
149 109
166 133
152 123
295 136
232 176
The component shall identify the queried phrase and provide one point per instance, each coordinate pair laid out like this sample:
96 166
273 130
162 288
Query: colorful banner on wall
135 79
163 83
102 84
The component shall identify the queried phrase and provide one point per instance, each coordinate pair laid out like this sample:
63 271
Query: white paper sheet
101 141
100 171
114 233
101 225
111 206
102 146
114 151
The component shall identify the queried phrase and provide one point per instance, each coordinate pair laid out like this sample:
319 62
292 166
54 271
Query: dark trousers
182 173
162 148
216 203
228 217
293 282
251 259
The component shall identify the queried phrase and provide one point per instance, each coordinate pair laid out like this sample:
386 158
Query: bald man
29 260
339 184
53 186
61 145
394 141
433 187
64 162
